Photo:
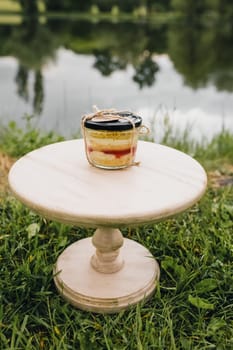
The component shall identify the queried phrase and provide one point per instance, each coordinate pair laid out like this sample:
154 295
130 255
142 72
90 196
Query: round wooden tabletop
58 182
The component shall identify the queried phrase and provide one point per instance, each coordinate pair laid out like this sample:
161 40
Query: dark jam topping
116 124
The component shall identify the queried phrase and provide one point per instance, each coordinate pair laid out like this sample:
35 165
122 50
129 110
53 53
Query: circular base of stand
84 287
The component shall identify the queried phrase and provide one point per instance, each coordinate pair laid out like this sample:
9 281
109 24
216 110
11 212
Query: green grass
14 6
11 12
10 19
9 6
16 141
8 11
192 307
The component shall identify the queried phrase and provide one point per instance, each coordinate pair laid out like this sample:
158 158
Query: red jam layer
116 153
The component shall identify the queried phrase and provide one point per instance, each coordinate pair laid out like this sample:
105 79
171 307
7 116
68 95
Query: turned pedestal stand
106 273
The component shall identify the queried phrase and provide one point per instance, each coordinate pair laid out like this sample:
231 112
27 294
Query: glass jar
111 138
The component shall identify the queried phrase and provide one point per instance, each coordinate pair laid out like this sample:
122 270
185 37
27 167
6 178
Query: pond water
57 71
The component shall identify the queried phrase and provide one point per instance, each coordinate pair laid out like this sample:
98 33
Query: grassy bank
192 306
11 13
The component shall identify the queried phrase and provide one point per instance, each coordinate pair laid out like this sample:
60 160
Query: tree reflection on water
22 82
200 53
33 45
145 71
30 36
106 63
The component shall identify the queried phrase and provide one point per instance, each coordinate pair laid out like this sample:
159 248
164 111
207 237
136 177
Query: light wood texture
88 289
110 273
59 183
107 257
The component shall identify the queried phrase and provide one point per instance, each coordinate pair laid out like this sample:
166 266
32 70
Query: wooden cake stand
106 273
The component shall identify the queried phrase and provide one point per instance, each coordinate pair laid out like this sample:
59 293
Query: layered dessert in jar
111 138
